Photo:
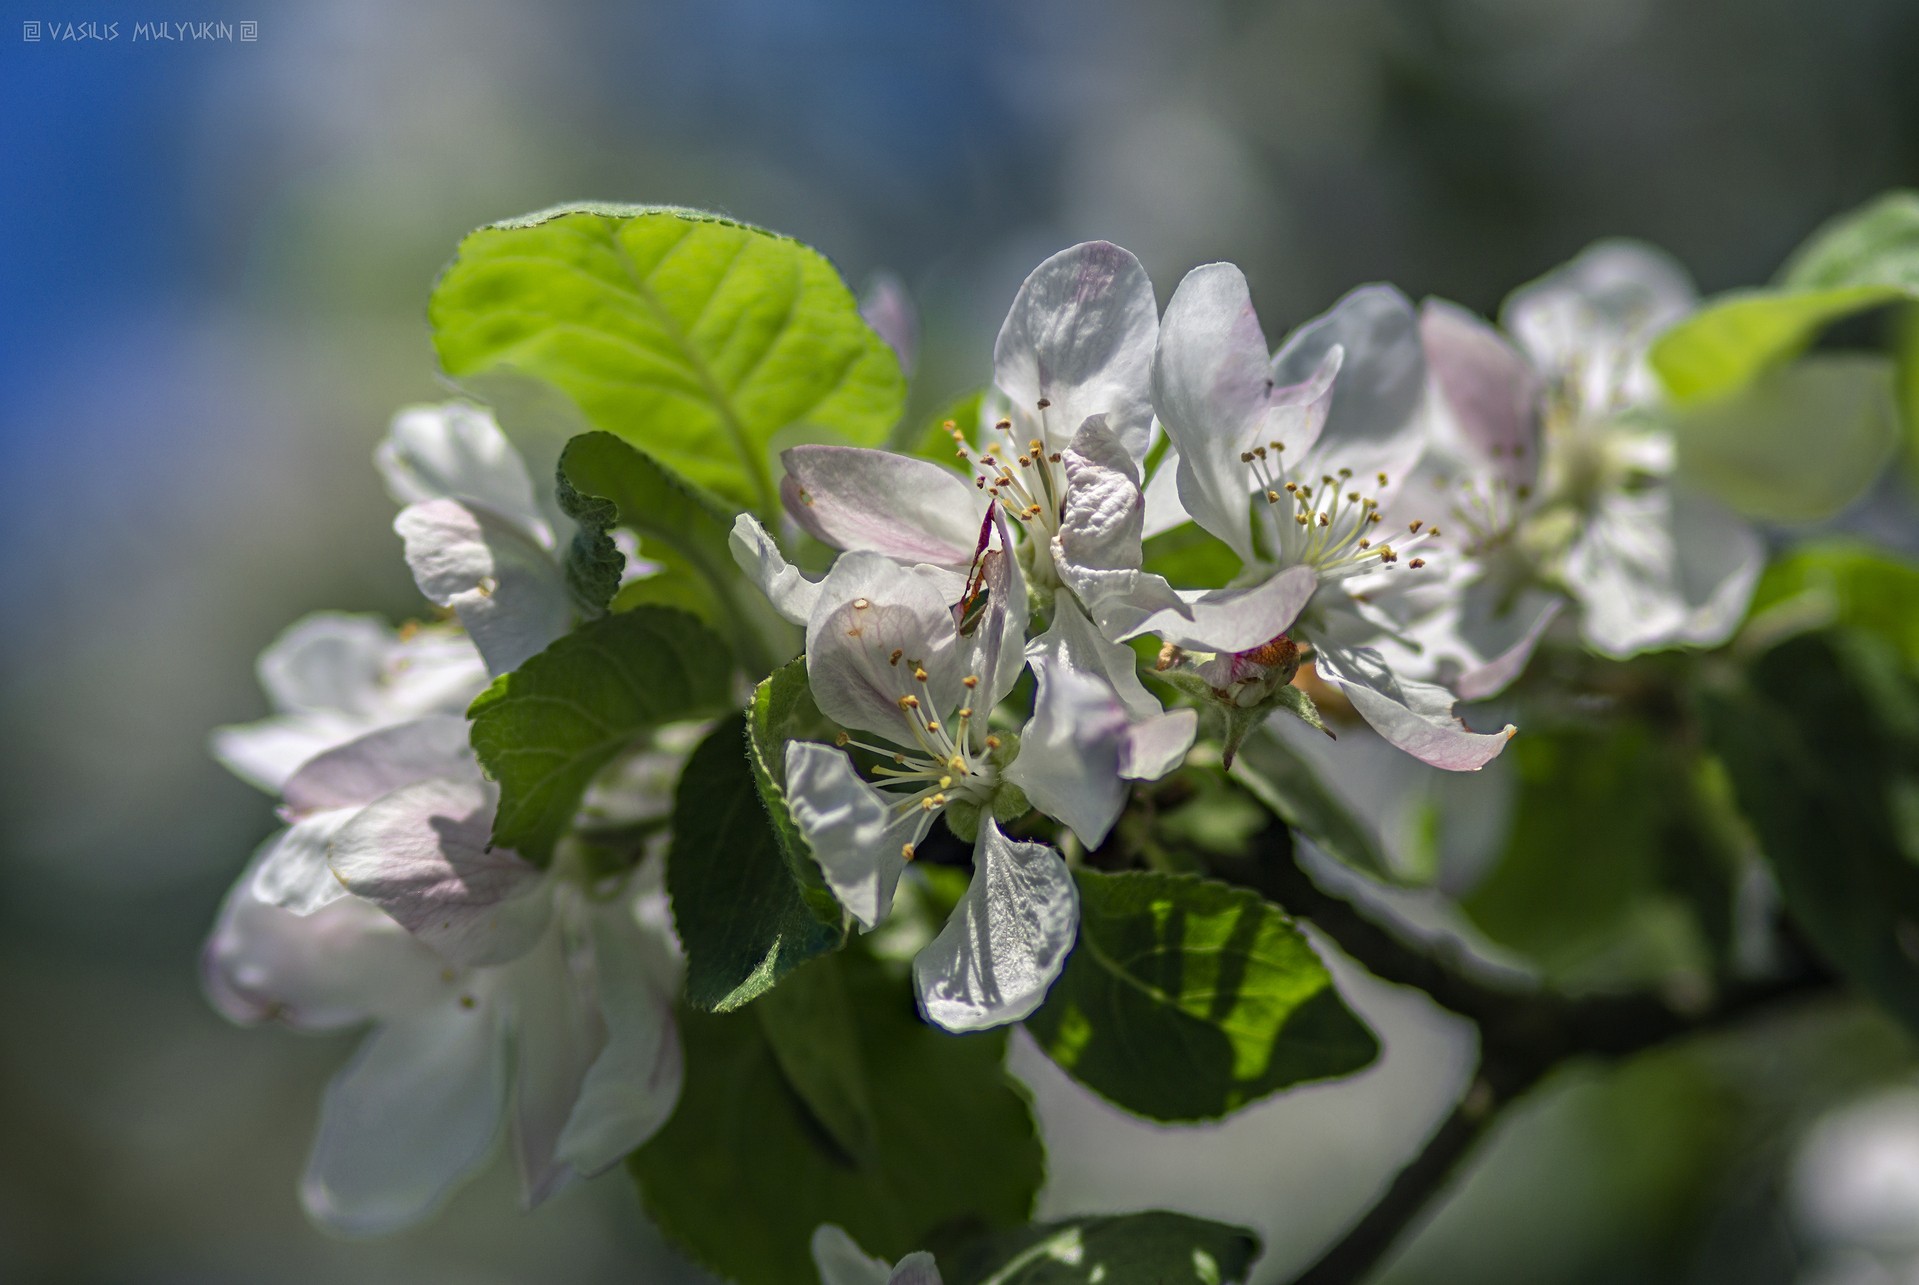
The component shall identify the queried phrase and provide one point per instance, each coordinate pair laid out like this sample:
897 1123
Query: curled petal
858 834
909 509
1228 619
411 1117
457 452
1080 338
785 586
423 854
1417 717
1006 941
507 589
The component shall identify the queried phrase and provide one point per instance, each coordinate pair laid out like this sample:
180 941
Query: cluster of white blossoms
497 991
1408 498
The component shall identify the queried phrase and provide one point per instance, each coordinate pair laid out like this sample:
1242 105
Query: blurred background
216 257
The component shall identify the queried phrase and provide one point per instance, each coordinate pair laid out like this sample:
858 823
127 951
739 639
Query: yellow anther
1301 518
957 763
932 725
926 805
946 783
939 800
1345 473
1365 544
906 851
967 712
1414 526
1433 532
842 737
1374 516
909 702
1005 426
1324 520
1417 563
919 675
1292 488
1054 457
1272 497
992 742
1382 479
1245 457
971 680
861 604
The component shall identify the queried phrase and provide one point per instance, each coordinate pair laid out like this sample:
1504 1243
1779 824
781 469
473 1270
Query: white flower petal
1080 336
457 452
1376 422
841 1261
1103 514
1230 619
381 761
423 854
1006 941
875 627
858 833
906 508
339 966
507 590
1415 716
1490 389
293 873
411 1117
549 1004
995 649
785 586
634 1084
265 753
1591 320
1068 762
1659 567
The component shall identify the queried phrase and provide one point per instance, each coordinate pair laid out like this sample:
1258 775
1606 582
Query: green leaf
1797 444
593 561
686 533
543 730
1597 883
1192 557
691 336
1822 743
1186 999
1156 1246
1837 582
1282 781
1861 260
742 917
782 710
810 1023
744 1171
933 438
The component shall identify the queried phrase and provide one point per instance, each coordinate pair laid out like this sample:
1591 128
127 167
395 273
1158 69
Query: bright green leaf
1823 747
1876 244
1280 779
745 1171
742 917
1192 557
543 730
1797 444
1186 999
691 336
1837 582
1156 1246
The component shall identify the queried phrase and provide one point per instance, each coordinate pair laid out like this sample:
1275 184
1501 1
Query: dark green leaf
1838 582
1191 557
1186 999
743 919
810 1023
593 562
1277 777
1822 743
745 1171
1152 1248
543 730
689 335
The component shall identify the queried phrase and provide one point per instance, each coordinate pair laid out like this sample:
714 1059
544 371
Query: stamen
894 659
971 680
906 851
909 702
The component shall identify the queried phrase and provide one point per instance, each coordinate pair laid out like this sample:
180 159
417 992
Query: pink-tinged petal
1080 338
888 308
1490 388
1479 682
506 589
1417 717
633 1086
339 966
876 627
858 833
785 586
1232 619
363 769
457 452
910 509
1376 419
1155 746
412 1117
1068 763
423 854
1006 941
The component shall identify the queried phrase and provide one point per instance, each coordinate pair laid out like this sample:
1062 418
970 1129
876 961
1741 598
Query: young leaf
593 561
743 919
745 1171
1157 1246
543 730
687 334
1277 777
1186 999
1823 746
1860 260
